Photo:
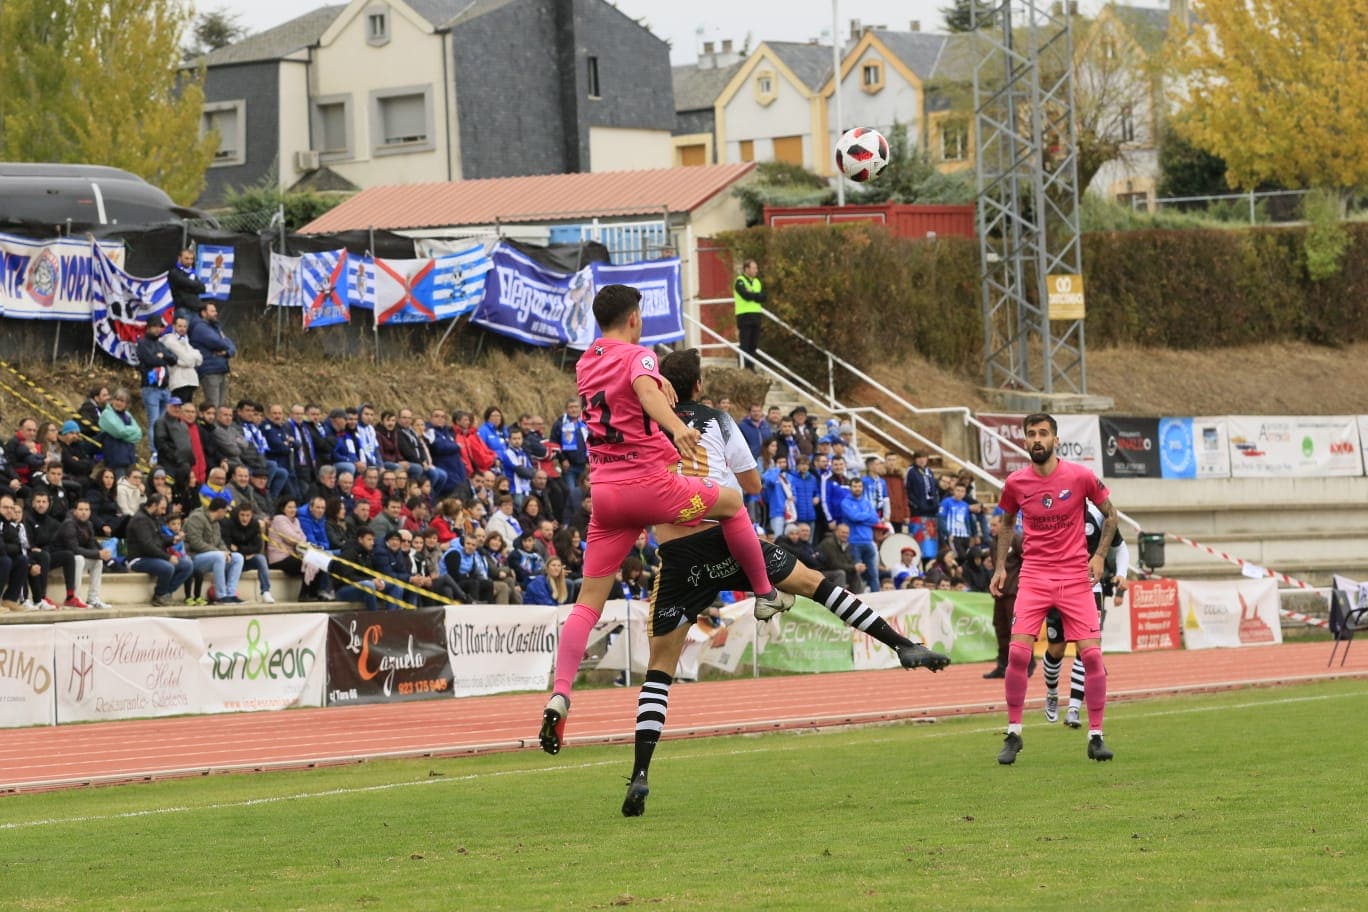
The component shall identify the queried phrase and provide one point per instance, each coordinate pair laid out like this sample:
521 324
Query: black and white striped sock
1076 683
847 606
652 704
1051 668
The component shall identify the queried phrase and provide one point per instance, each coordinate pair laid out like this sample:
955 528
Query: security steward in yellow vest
749 298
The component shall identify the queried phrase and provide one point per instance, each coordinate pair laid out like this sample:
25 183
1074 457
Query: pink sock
745 547
574 637
1018 657
1094 686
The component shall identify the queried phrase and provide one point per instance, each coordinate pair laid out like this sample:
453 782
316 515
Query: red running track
109 752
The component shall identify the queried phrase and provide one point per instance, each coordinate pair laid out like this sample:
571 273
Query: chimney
707 47
726 46
916 25
1073 7
855 30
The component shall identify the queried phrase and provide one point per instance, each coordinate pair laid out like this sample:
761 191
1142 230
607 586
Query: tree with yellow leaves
1279 89
101 82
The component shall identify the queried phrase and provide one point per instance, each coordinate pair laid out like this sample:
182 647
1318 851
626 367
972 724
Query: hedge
869 296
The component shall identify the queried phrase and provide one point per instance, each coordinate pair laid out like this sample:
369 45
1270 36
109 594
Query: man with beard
1056 572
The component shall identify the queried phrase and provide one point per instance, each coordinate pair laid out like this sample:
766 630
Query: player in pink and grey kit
1056 572
627 406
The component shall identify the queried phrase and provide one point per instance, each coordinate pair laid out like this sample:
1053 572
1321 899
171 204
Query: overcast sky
688 23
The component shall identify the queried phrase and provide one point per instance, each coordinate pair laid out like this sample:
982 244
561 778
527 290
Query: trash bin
1152 549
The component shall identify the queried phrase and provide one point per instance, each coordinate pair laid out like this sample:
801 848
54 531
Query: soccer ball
861 154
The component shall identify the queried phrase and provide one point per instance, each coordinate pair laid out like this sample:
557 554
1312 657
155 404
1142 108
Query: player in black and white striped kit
1113 582
695 566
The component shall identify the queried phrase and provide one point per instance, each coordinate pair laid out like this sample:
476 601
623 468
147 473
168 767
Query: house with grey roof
406 91
771 109
696 90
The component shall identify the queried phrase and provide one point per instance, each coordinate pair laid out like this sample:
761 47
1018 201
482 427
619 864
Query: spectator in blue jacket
313 522
216 348
570 431
119 434
859 515
551 587
446 452
346 453
835 489
518 467
780 499
754 428
390 560
805 497
492 434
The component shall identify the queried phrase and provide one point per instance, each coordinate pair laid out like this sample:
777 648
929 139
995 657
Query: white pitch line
388 786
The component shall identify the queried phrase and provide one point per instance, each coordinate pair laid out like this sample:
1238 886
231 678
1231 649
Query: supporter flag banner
996 457
526 301
662 320
387 656
1287 447
1080 441
493 651
214 265
959 624
27 695
361 281
49 280
1235 613
1153 611
129 668
121 305
1130 447
283 289
424 291
277 661
323 282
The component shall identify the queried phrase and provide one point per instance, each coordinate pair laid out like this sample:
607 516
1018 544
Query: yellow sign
1065 297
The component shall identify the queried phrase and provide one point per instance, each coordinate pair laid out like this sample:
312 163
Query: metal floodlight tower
1027 172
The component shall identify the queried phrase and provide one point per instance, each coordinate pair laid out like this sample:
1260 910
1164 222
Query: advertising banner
1080 441
276 661
996 458
1130 447
541 306
1211 447
129 668
492 651
49 280
623 622
1287 447
1154 616
727 648
26 691
387 656
1230 613
1194 448
807 637
959 624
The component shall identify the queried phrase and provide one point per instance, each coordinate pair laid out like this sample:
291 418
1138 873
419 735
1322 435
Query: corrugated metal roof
541 198
280 41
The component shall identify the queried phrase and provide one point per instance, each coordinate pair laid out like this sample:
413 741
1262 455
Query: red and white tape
1264 571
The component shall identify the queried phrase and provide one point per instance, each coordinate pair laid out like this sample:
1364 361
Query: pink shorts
623 509
1073 599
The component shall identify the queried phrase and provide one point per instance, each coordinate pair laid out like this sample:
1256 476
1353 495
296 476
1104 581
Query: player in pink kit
1056 572
627 406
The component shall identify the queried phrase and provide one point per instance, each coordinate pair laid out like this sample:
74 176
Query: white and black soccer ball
861 153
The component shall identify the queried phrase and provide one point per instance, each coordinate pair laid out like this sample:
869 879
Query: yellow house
772 109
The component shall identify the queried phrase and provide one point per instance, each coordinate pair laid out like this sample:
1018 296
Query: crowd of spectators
458 506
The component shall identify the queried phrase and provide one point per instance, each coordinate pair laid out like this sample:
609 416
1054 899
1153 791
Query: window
1127 123
401 120
332 126
227 118
764 86
871 76
377 26
748 150
788 149
954 140
696 154
592 77
1109 48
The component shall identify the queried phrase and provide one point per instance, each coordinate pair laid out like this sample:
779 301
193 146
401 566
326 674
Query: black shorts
1054 622
695 568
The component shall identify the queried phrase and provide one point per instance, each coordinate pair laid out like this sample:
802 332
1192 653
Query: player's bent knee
802 581
728 503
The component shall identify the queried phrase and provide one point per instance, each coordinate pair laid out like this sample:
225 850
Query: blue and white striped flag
464 273
121 304
361 281
284 289
215 267
323 278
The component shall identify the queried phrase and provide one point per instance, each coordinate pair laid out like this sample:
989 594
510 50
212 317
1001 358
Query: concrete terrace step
63 615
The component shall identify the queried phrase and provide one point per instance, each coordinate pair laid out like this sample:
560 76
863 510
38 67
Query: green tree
909 177
214 29
966 15
300 206
100 82
1186 170
1279 90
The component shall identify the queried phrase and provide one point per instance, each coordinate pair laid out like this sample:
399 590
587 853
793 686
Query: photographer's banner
959 624
129 668
1230 613
493 651
1289 447
276 661
387 656
1130 447
26 678
1152 606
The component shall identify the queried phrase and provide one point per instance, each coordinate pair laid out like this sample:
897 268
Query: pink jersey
624 443
1054 546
